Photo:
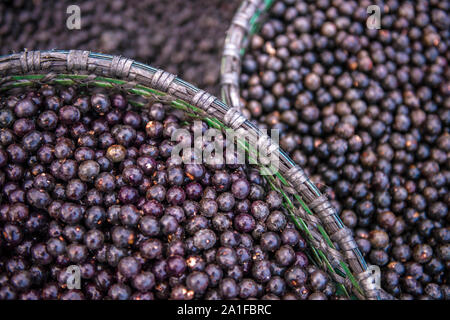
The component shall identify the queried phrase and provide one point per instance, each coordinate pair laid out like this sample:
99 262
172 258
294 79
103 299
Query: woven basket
83 68
245 23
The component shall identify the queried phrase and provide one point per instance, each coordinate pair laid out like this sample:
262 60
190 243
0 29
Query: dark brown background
184 37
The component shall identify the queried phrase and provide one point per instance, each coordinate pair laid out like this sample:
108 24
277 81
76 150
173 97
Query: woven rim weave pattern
242 26
85 67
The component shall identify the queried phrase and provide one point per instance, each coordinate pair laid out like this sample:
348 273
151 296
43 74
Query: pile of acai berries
366 113
89 183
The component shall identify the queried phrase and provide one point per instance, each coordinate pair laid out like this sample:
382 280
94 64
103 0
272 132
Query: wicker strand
231 50
296 175
298 178
231 58
77 60
48 77
233 118
324 209
30 61
241 19
345 240
367 282
229 79
162 80
265 143
204 100
120 67
312 222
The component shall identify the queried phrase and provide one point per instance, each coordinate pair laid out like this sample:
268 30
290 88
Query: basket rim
90 63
